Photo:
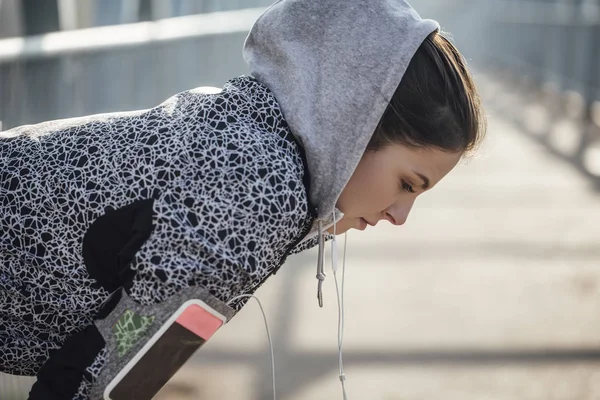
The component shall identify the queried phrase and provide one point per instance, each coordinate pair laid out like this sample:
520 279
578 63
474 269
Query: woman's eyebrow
425 179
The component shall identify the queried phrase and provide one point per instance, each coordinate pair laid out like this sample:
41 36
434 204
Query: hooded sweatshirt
333 66
209 190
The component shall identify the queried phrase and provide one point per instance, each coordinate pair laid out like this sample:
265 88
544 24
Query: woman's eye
407 187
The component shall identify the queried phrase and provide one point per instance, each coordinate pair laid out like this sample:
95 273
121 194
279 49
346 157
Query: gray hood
333 65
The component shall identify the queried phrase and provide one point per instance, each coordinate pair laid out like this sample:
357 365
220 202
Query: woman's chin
362 224
345 224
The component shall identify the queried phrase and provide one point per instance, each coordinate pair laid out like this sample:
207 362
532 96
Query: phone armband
148 344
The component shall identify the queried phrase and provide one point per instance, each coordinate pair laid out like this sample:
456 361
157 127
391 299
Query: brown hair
436 104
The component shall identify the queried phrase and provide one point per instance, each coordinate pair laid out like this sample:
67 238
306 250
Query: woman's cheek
379 197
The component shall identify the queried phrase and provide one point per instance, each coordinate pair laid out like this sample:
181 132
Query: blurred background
492 288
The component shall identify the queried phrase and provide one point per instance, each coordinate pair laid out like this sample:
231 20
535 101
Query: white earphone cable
340 301
341 319
268 337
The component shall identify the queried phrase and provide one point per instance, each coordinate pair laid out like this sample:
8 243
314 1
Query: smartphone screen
191 329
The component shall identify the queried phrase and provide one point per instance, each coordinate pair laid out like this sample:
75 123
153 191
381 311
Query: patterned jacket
204 190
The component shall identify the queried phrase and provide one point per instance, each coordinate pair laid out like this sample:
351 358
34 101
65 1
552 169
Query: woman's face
386 183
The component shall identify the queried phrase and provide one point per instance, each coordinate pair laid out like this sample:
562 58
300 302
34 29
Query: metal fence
122 67
549 51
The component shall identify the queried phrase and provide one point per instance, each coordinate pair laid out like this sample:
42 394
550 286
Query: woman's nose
397 214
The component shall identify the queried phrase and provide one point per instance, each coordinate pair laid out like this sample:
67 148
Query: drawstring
340 293
320 272
321 257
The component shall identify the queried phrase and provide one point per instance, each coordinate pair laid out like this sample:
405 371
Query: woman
353 109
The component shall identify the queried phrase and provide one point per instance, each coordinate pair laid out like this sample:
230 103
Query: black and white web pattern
229 201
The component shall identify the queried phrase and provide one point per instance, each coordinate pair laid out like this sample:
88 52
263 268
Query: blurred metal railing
550 51
117 68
